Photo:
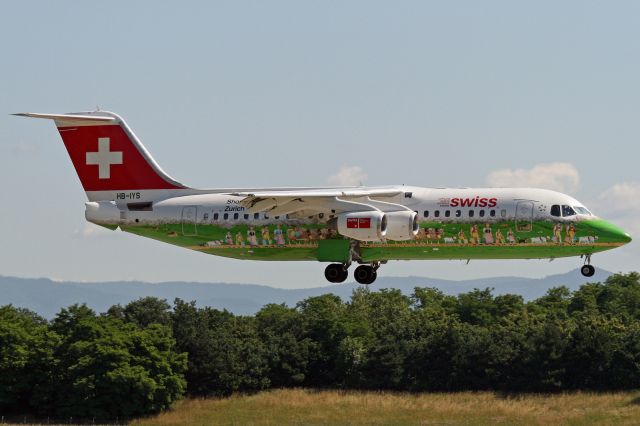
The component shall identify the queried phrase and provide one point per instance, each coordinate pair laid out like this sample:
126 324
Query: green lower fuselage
288 240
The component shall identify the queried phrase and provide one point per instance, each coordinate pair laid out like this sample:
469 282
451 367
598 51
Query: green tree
148 310
477 307
554 303
377 352
620 296
106 368
324 324
595 343
534 345
225 353
433 300
287 350
585 299
26 355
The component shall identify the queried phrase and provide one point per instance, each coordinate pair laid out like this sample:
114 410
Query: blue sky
306 93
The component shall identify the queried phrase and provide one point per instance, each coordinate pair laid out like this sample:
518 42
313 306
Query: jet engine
402 225
363 226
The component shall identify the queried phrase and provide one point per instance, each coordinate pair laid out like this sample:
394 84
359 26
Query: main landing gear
587 270
364 274
336 272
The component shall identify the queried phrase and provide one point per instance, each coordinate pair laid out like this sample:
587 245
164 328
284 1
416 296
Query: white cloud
621 204
622 197
563 177
348 176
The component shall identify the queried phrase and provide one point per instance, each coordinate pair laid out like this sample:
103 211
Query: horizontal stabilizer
69 117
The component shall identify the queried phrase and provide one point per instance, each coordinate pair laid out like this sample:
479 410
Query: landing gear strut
336 272
366 274
587 270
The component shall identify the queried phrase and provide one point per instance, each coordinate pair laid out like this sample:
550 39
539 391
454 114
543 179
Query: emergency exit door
189 216
524 216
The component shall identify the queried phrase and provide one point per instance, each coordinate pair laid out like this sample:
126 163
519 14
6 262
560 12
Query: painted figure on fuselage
557 233
251 237
439 234
279 235
431 235
266 238
462 237
488 234
571 234
475 235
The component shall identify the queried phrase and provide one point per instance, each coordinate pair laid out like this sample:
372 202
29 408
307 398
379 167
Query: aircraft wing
314 200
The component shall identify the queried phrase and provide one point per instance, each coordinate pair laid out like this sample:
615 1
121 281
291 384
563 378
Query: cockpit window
567 211
582 210
555 210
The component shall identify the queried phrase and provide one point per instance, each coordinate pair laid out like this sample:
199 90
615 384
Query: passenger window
246 216
426 213
205 216
447 213
568 211
555 210
503 213
256 216
216 216
235 216
266 216
226 216
472 213
481 213
492 213
436 213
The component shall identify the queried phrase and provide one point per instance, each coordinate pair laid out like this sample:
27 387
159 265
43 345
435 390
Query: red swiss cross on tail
107 155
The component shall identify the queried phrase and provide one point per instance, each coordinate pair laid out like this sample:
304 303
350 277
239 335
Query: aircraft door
524 216
189 217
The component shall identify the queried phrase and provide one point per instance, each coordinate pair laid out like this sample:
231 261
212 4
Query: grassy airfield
308 407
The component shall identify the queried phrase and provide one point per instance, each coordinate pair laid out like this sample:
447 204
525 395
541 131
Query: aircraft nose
609 232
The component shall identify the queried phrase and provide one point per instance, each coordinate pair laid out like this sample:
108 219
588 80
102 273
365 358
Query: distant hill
47 297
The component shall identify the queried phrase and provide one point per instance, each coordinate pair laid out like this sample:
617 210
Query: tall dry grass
309 407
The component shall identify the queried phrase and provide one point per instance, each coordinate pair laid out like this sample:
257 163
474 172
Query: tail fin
110 160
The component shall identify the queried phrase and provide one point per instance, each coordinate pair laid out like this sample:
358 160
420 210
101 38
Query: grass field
308 407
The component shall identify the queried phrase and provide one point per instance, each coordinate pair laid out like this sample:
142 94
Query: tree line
138 359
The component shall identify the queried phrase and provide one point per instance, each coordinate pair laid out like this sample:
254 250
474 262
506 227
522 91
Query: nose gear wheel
587 270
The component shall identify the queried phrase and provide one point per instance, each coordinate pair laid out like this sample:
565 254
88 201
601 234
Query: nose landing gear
587 270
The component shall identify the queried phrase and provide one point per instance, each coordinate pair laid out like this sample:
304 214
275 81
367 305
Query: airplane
369 226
